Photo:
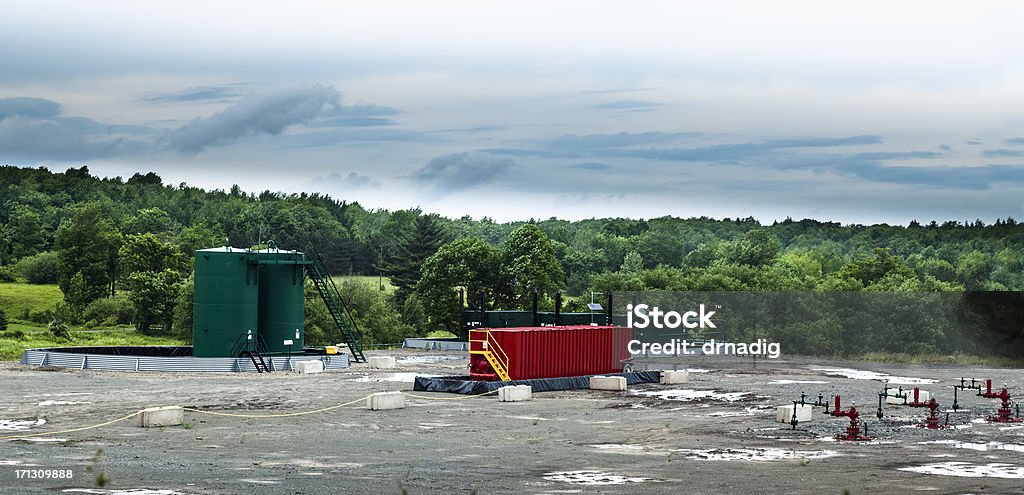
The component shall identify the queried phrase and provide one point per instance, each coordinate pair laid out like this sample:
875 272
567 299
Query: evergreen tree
404 268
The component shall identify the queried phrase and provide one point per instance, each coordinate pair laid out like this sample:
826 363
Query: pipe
536 318
611 314
558 308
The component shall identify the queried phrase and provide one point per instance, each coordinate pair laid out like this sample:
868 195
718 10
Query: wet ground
715 434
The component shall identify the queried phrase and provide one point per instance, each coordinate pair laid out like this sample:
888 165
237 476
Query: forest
120 250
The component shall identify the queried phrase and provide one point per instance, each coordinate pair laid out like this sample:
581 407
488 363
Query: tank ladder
335 306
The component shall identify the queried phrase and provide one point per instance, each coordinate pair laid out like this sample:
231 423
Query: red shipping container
548 352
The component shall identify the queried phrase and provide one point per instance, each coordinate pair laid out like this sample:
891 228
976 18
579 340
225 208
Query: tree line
121 250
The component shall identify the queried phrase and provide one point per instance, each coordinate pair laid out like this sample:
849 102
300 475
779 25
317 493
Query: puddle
977 446
43 440
131 491
691 395
61 403
593 478
719 454
793 382
747 411
968 470
872 375
392 377
752 454
428 359
434 426
20 424
67 394
9 463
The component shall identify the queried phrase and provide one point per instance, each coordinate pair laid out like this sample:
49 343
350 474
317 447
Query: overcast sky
866 112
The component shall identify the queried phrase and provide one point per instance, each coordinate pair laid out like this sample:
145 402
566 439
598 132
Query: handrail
493 344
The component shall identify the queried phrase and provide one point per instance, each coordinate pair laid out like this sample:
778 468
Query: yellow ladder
489 348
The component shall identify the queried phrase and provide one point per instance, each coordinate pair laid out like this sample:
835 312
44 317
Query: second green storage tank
281 304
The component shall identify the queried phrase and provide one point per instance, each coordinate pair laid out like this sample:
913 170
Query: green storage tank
281 306
226 297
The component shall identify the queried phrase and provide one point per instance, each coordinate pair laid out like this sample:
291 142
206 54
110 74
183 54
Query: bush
3 320
13 334
39 269
108 311
7 274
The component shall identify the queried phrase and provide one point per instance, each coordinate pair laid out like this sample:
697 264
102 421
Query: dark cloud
627 105
355 122
945 147
1014 141
622 145
1003 153
32 130
475 129
594 166
460 171
269 113
28 107
198 93
973 178
974 142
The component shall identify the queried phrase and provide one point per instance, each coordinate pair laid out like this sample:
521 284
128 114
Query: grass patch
15 298
441 334
39 336
367 280
939 359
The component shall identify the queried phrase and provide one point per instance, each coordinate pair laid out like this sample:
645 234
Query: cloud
627 105
459 171
32 129
974 142
1017 140
1002 153
593 166
945 147
28 107
624 144
198 93
350 182
974 178
269 113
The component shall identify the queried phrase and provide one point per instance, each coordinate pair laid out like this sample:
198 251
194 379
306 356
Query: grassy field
15 298
21 335
369 280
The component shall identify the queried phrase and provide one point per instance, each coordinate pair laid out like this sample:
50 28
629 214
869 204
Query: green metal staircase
335 305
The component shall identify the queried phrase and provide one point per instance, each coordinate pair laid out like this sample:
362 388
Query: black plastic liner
128 350
463 385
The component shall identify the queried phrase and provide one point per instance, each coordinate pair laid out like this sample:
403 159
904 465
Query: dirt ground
714 435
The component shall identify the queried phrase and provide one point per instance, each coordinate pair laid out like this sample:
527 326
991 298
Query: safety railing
482 342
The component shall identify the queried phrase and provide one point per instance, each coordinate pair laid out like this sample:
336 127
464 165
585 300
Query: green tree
41 268
154 295
147 253
632 264
404 268
468 263
528 263
87 246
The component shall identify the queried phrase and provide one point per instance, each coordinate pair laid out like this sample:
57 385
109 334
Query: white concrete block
515 393
309 366
381 362
160 416
386 400
674 377
898 401
784 414
616 383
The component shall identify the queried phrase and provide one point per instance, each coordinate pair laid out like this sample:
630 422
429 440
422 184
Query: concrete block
160 416
616 383
515 393
386 400
784 414
674 377
309 366
898 401
381 362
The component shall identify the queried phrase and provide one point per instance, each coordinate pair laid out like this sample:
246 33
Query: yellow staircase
481 342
